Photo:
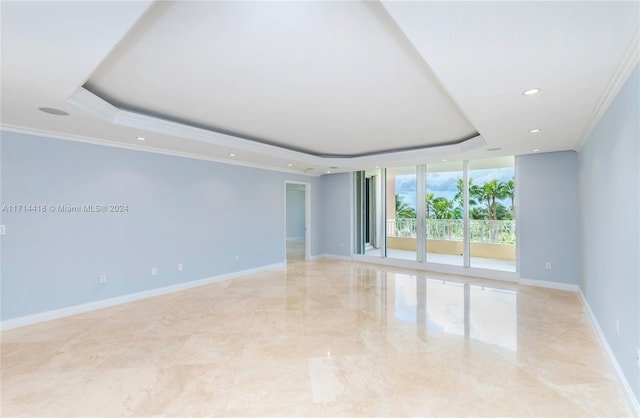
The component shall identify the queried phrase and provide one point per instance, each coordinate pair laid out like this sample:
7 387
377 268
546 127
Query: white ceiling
316 85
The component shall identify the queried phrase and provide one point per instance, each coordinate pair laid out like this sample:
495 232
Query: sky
444 184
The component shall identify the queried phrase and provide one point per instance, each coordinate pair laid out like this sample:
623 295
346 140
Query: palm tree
491 189
502 213
489 193
478 213
403 210
510 191
459 197
444 209
404 215
429 198
483 194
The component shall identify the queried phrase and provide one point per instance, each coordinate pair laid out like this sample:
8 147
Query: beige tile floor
321 338
451 259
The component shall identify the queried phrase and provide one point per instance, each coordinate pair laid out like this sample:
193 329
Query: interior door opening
297 231
367 212
368 209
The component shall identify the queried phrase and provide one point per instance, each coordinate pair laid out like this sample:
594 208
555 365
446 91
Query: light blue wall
609 171
337 197
195 212
547 205
295 212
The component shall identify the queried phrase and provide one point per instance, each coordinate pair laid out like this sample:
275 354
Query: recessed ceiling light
444 160
328 171
289 165
531 92
535 131
377 166
141 138
53 111
232 155
535 150
494 149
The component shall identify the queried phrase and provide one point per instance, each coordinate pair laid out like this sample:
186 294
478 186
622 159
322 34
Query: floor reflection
321 338
480 312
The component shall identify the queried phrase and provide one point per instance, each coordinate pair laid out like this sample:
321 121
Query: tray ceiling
324 78
316 86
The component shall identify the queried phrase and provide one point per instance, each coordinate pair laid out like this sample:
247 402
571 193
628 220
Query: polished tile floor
451 259
320 338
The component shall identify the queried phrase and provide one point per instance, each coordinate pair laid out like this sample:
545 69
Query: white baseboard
631 398
92 306
548 285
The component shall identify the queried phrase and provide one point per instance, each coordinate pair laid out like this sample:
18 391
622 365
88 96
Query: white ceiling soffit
327 79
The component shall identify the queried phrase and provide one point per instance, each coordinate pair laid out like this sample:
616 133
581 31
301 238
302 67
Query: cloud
405 184
483 176
445 185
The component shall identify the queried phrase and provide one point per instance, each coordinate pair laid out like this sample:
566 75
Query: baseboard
631 398
105 303
549 285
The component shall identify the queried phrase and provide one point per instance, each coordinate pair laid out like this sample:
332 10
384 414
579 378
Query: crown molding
135 147
628 63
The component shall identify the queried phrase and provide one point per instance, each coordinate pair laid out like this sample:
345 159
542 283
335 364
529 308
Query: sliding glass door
492 225
444 213
459 213
401 205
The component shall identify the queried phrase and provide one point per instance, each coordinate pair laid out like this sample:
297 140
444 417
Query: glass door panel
401 222
444 205
492 213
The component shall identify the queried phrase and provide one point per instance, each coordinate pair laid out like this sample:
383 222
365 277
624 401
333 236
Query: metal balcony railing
497 232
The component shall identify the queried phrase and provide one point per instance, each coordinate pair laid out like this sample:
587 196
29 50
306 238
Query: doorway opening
368 192
297 231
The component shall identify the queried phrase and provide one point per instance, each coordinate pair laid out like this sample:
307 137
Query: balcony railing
498 232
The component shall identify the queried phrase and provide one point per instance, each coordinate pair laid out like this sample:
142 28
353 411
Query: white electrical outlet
2 230
237 258
102 279
180 267
547 265
617 327
154 271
